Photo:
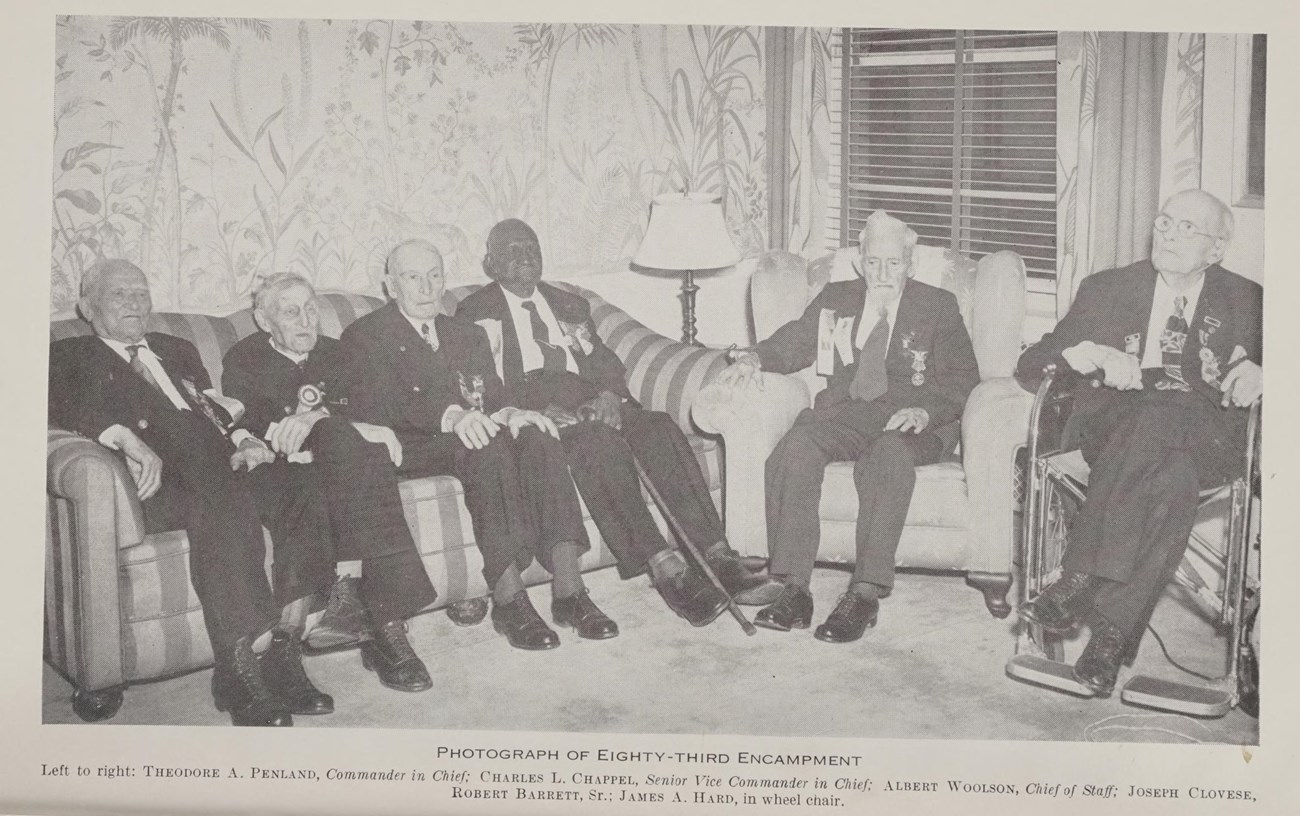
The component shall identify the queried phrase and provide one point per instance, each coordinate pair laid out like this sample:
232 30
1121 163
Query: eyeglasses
1186 229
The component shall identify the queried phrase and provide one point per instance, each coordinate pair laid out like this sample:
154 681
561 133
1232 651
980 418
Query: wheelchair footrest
1043 672
1167 695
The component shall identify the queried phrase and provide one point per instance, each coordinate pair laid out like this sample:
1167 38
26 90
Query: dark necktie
552 355
1172 343
869 381
430 336
143 370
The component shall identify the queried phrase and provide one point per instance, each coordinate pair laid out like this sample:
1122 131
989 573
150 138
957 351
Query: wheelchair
1220 569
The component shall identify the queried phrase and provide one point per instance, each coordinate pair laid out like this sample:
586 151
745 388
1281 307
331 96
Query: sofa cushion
939 499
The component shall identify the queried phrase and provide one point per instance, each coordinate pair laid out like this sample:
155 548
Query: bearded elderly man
900 366
288 378
147 395
1177 344
429 378
552 360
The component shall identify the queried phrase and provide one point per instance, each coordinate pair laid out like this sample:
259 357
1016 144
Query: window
953 131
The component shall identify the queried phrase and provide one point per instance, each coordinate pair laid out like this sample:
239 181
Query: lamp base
688 308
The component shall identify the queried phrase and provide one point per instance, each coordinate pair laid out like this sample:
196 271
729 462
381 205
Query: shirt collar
293 356
517 302
1166 294
122 348
416 323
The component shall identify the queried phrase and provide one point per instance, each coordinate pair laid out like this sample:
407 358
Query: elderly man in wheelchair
1164 360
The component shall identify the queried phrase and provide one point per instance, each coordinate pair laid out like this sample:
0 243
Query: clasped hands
476 429
605 407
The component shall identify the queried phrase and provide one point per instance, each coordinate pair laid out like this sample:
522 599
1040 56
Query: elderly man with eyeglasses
1176 342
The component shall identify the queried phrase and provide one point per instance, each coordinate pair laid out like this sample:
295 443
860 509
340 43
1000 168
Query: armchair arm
994 425
751 422
94 512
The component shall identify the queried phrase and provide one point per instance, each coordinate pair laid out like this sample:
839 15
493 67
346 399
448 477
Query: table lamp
686 233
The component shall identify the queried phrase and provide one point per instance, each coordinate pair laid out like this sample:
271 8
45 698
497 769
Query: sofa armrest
751 421
94 513
994 425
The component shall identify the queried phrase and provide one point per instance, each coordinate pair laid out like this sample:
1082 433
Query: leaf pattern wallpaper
214 151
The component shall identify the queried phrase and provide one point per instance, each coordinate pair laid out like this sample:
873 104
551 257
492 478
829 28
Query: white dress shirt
151 362
870 317
1162 308
529 350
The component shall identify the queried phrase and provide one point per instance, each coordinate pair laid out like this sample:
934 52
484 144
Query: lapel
1138 314
399 330
120 372
555 299
907 305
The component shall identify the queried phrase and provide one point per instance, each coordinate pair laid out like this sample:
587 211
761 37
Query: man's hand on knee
908 419
475 429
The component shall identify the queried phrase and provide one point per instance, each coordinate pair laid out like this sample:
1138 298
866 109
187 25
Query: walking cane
690 545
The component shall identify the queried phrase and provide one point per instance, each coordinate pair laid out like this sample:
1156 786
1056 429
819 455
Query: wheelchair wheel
1248 667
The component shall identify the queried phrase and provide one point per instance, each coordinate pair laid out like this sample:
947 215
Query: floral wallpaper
214 151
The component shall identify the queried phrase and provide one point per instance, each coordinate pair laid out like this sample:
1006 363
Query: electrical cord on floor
1175 663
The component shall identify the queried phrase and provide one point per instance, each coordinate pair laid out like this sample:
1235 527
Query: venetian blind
953 131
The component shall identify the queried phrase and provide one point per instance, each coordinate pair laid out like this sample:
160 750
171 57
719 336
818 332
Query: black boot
345 622
1107 649
390 655
238 687
1062 606
282 669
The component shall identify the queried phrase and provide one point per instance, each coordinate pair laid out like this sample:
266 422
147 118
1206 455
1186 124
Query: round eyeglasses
1185 228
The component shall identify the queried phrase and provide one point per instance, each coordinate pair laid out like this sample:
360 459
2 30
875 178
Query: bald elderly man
1176 343
429 378
899 367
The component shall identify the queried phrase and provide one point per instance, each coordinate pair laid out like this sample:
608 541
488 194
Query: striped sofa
119 607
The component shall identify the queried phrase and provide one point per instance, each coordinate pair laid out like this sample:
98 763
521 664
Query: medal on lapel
578 336
1211 370
918 359
471 390
309 397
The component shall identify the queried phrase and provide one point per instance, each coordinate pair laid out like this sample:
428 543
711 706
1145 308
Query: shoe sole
713 615
574 627
775 628
369 666
221 706
541 648
1055 629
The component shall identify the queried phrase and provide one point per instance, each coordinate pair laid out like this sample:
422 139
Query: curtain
798 136
1111 94
1180 138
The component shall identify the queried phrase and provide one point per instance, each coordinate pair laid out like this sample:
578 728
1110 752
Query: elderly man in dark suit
1176 342
900 366
552 360
147 395
288 378
429 378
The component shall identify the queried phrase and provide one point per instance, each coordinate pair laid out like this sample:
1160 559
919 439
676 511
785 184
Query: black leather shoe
853 615
522 626
1062 606
285 677
761 595
792 609
345 622
734 576
390 655
469 612
1098 666
580 612
239 688
692 597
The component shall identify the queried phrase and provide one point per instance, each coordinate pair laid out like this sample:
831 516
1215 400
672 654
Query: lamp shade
686 232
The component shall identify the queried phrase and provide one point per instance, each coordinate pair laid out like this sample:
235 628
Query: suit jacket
91 388
392 377
599 368
1115 305
928 323
267 382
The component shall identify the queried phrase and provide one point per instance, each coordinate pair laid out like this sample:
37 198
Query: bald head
514 256
1191 232
885 245
414 277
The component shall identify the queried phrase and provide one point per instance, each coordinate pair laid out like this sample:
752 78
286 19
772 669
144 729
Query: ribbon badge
472 390
309 398
1210 370
579 337
200 399
918 359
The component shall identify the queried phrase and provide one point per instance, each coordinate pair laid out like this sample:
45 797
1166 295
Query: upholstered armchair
962 516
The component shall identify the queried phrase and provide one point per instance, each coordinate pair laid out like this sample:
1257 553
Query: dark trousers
1150 454
359 482
223 512
518 492
605 471
884 473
